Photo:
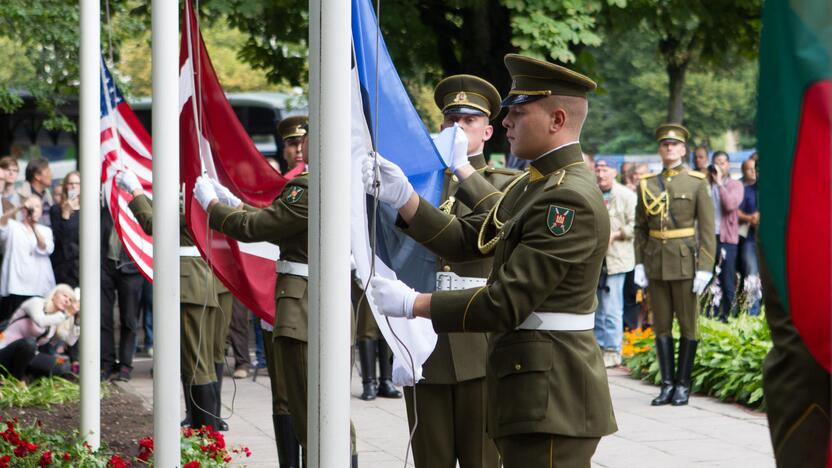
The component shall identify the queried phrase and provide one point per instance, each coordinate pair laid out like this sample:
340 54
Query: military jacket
194 287
548 236
285 223
461 356
674 229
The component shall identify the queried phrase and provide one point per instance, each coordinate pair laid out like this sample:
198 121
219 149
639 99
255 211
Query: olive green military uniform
674 238
453 394
796 387
199 302
366 326
548 397
285 223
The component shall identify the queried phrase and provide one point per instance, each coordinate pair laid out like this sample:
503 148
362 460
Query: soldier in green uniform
674 246
548 398
203 326
451 400
285 223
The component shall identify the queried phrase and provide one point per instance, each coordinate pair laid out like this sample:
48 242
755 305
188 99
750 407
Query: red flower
188 432
247 451
146 443
39 423
4 461
192 464
45 459
117 462
67 456
20 451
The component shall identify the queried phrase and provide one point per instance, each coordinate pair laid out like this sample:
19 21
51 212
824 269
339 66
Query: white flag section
412 341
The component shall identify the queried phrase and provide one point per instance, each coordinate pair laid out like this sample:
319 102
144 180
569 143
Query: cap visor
463 110
517 99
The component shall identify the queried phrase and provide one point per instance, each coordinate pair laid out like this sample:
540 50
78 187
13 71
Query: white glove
392 297
204 192
639 278
460 145
224 195
128 181
701 280
394 188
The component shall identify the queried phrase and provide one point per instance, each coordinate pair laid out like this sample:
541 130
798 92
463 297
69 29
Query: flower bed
27 446
729 359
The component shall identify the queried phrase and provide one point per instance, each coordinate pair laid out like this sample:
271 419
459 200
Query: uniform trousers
197 325
280 403
238 334
222 321
673 298
546 451
451 425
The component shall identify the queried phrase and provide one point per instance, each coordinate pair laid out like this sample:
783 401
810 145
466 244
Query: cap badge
461 97
672 133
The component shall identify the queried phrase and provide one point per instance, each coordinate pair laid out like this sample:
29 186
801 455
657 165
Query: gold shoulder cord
653 205
448 205
487 247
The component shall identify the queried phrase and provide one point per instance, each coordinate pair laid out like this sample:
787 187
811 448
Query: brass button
446 268
517 366
455 178
282 291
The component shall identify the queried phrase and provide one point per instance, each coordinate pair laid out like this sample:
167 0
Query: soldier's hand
701 280
224 195
127 181
204 192
385 180
460 146
639 277
393 298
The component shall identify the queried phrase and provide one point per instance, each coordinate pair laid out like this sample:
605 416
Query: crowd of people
623 305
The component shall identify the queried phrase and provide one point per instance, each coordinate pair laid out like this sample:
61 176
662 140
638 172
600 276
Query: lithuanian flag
795 148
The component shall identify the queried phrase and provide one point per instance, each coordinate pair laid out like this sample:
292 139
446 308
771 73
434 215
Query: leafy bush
729 358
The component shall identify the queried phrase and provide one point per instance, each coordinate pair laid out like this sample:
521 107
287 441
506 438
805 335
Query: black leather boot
664 353
367 361
219 367
204 406
386 389
188 405
354 461
288 444
687 354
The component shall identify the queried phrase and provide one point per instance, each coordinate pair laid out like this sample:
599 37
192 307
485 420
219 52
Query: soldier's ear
557 119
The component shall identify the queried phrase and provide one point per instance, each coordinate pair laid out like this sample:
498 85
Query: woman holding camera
26 270
66 220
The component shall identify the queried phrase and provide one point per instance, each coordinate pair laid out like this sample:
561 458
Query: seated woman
34 323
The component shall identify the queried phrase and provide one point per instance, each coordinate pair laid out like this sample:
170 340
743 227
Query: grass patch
42 392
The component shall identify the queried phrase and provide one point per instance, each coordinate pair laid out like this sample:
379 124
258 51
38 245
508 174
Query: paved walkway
706 433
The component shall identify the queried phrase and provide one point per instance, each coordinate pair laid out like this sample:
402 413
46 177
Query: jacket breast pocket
522 371
688 259
290 310
682 206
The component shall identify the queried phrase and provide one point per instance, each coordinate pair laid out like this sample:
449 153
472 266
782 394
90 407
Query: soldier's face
527 128
671 152
293 151
476 128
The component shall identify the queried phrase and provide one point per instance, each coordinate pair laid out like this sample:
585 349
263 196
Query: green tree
688 33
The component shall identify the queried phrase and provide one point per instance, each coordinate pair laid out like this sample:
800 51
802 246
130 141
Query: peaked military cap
467 94
291 127
671 131
533 79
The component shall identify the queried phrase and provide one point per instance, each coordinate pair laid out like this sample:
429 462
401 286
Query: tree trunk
676 83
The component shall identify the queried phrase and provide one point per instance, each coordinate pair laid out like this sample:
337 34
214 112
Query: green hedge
729 359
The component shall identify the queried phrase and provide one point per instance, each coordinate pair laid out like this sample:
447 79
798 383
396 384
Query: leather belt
672 233
285 267
449 281
188 251
558 321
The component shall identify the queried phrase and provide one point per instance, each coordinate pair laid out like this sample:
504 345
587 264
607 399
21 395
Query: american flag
125 145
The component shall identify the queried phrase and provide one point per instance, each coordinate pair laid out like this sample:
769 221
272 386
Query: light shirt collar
557 148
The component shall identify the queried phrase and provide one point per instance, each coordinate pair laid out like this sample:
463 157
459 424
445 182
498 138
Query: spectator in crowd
625 170
238 338
35 322
727 195
57 195
749 216
65 227
38 183
589 160
26 270
620 259
120 278
10 170
700 159
635 176
146 309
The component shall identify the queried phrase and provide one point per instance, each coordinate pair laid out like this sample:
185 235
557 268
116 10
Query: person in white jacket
26 270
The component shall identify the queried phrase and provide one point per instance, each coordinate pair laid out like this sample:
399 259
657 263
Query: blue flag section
401 138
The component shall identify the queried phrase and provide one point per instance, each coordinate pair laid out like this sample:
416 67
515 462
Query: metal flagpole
90 164
165 24
329 240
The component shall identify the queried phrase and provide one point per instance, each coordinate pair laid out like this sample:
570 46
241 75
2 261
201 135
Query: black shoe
386 389
687 354
123 374
222 426
186 389
288 445
664 353
367 362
